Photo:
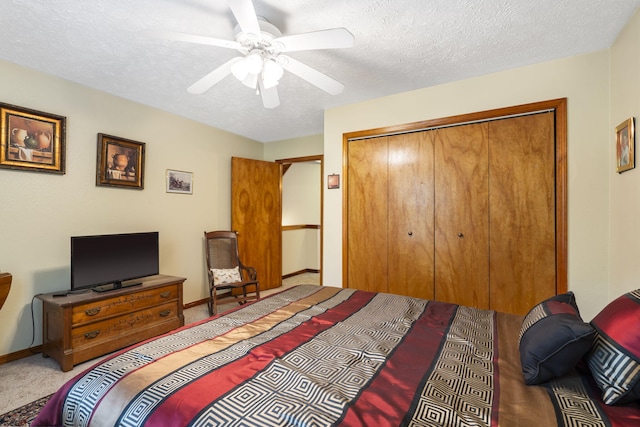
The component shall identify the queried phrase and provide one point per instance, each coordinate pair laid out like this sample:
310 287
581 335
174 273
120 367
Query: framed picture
179 182
333 181
31 140
625 146
120 162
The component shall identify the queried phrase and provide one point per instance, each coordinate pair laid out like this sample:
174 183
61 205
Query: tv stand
115 285
80 327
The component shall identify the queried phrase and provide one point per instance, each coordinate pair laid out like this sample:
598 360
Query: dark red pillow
614 359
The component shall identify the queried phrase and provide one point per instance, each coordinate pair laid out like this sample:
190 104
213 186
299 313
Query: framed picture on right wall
625 146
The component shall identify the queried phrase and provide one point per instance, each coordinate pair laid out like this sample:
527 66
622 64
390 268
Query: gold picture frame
120 162
625 146
31 140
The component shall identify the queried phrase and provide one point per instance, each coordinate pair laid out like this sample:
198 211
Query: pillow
222 276
614 359
568 298
553 339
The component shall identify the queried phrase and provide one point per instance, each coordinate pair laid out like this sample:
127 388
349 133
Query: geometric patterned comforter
323 356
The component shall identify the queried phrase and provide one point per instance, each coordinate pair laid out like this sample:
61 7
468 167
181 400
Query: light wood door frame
558 106
317 158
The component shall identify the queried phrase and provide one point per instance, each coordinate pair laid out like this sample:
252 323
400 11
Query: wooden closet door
367 175
462 215
410 219
522 203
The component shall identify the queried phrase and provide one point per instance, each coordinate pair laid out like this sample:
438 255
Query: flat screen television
107 262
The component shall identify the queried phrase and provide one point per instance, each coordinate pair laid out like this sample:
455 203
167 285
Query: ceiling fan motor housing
262 41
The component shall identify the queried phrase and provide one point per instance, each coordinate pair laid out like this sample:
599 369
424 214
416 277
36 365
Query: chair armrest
250 271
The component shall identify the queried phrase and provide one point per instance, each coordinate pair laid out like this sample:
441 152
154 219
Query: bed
321 356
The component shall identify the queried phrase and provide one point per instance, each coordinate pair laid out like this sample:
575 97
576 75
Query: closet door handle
460 235
410 233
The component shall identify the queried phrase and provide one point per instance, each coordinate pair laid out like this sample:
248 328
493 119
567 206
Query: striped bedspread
322 356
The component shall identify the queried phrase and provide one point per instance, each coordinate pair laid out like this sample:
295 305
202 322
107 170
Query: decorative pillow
568 298
553 339
614 359
222 276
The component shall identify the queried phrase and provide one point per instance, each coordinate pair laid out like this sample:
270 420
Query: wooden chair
226 272
5 285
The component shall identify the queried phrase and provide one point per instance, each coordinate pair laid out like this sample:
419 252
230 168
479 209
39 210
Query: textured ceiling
400 45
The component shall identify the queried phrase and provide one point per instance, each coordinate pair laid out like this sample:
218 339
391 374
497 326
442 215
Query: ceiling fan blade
325 39
246 16
270 98
205 83
193 38
311 75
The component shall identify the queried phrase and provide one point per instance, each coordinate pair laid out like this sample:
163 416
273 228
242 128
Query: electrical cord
33 326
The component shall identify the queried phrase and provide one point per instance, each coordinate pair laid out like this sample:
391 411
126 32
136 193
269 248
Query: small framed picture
31 140
179 182
120 162
625 146
333 181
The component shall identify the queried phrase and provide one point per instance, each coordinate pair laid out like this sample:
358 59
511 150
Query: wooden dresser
80 327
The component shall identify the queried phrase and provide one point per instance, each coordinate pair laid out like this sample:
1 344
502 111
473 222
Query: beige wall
295 147
41 211
584 80
625 187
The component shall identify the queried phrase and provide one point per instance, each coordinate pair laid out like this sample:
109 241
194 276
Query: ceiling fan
262 61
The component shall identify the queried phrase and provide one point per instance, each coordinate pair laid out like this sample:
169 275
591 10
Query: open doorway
302 200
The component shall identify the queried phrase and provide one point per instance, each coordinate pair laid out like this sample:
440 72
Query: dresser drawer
114 328
97 310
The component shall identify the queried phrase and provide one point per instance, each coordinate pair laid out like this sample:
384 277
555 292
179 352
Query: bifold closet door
462 215
410 218
522 211
390 215
367 214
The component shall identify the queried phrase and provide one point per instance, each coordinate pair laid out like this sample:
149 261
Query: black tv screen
104 262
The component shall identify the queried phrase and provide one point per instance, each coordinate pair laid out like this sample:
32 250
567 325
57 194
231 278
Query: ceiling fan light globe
253 62
251 81
272 71
239 70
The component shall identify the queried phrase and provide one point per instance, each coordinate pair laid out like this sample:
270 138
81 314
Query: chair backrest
5 286
221 249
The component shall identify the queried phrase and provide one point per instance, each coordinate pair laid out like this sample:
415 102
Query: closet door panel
522 201
462 215
410 220
367 214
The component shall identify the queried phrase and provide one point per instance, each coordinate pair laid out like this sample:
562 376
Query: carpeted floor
23 415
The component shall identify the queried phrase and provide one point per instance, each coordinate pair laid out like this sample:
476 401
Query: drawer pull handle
166 294
92 311
165 313
92 334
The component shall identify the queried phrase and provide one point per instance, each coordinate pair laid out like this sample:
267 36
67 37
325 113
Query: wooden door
256 214
462 215
367 234
522 212
410 194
